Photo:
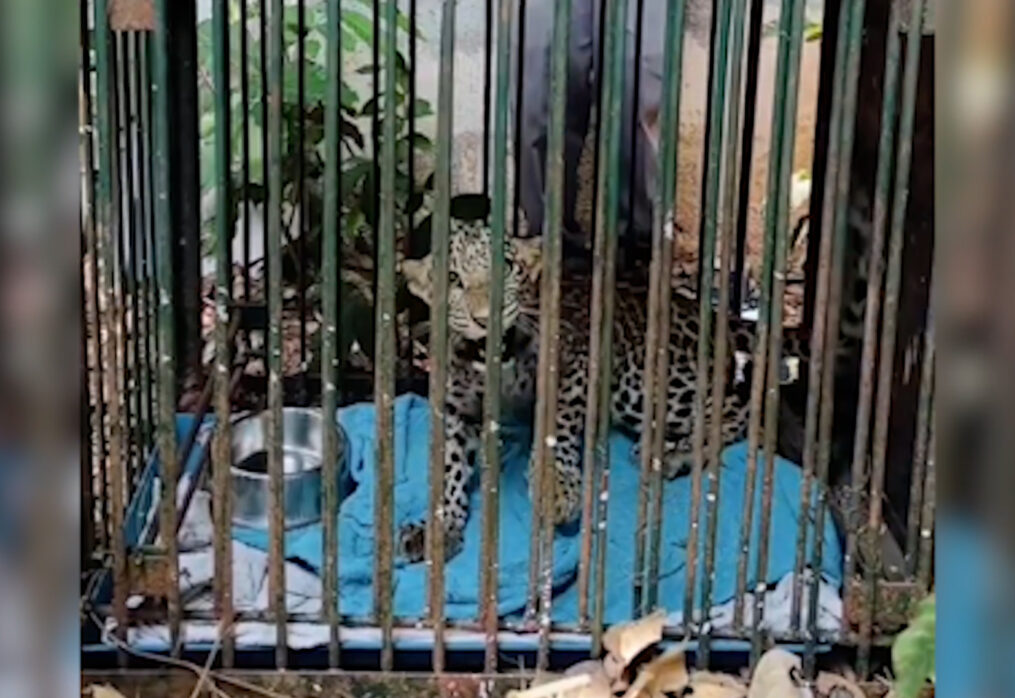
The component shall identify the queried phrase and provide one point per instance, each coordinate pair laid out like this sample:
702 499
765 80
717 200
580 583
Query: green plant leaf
913 652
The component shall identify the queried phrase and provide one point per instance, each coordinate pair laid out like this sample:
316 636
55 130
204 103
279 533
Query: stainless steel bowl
302 449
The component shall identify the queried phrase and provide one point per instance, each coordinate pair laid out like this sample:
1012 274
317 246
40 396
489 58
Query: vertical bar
921 454
519 104
596 452
747 159
222 445
632 165
410 213
384 374
893 284
91 269
106 233
658 325
166 423
439 331
301 175
142 260
487 91
263 43
489 558
727 223
773 290
926 566
329 337
831 342
273 252
245 135
91 416
717 105
875 278
548 381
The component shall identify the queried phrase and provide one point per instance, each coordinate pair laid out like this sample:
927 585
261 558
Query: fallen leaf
705 684
105 691
778 676
667 673
626 640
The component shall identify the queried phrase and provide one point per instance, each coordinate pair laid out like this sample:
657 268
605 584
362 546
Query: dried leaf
778 676
586 685
106 691
626 640
705 684
667 673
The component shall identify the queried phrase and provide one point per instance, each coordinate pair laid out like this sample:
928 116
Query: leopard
469 262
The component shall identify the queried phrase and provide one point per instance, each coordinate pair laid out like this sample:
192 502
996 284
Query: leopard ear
416 271
528 254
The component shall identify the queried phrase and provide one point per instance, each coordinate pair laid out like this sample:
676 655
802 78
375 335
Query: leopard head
469 272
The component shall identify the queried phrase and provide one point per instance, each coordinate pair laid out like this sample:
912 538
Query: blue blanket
356 530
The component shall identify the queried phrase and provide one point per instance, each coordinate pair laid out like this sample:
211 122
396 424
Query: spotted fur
469 265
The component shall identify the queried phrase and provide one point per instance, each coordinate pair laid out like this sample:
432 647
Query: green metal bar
914 531
105 237
893 286
778 287
727 228
549 315
330 307
653 432
702 413
832 329
222 444
439 331
929 503
875 279
597 418
165 431
494 335
774 196
276 398
384 374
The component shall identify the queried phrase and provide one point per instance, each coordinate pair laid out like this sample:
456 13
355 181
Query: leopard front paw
412 542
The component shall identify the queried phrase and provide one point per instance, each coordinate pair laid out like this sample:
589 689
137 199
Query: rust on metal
149 575
132 15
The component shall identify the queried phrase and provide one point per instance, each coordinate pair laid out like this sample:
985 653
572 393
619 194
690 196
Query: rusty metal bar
875 278
926 567
831 342
519 103
664 226
222 443
596 455
244 33
329 337
921 454
773 354
544 448
273 252
166 421
727 222
106 235
439 332
384 373
893 284
657 355
713 173
489 567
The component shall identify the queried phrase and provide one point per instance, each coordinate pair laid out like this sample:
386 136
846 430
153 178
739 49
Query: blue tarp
356 528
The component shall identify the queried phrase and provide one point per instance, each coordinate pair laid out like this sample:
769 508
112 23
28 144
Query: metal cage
172 180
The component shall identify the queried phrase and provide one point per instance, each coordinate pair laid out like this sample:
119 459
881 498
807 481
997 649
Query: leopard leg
461 454
569 437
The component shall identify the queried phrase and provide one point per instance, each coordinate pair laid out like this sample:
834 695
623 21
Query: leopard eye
452 277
